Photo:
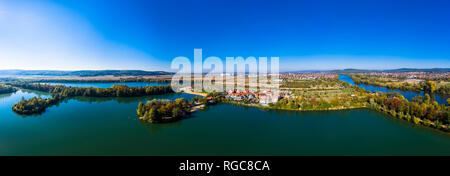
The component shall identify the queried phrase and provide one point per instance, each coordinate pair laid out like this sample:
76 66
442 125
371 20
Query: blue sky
147 35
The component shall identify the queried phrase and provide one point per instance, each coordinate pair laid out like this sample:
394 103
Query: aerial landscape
309 106
311 79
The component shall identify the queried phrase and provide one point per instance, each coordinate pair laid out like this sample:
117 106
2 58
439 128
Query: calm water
108 126
109 84
441 99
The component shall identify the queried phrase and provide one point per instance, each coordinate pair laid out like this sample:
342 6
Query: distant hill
82 73
350 70
305 71
394 70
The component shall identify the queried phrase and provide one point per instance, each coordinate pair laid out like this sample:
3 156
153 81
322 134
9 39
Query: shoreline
196 93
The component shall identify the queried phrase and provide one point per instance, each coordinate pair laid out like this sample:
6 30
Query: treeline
421 110
429 87
6 89
59 93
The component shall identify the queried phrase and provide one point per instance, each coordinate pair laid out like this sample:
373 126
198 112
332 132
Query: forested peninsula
38 105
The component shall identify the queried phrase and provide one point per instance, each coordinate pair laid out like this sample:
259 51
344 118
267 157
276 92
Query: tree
179 100
416 120
427 98
145 117
141 109
154 116
429 86
177 113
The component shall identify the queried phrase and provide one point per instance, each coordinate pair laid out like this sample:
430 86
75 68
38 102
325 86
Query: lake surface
108 126
441 99
109 84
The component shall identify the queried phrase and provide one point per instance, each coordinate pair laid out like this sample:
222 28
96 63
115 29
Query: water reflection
37 93
156 128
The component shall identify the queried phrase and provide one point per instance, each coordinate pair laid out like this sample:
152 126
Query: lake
109 126
441 99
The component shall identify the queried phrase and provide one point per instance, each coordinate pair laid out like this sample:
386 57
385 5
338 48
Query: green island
163 111
59 93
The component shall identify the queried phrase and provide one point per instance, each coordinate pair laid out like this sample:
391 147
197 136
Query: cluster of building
412 75
262 97
316 75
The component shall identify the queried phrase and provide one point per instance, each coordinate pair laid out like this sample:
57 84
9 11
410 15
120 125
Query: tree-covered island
163 111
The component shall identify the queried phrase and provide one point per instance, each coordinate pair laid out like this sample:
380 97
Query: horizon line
331 69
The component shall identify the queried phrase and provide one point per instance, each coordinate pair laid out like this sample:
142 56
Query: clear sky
147 35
